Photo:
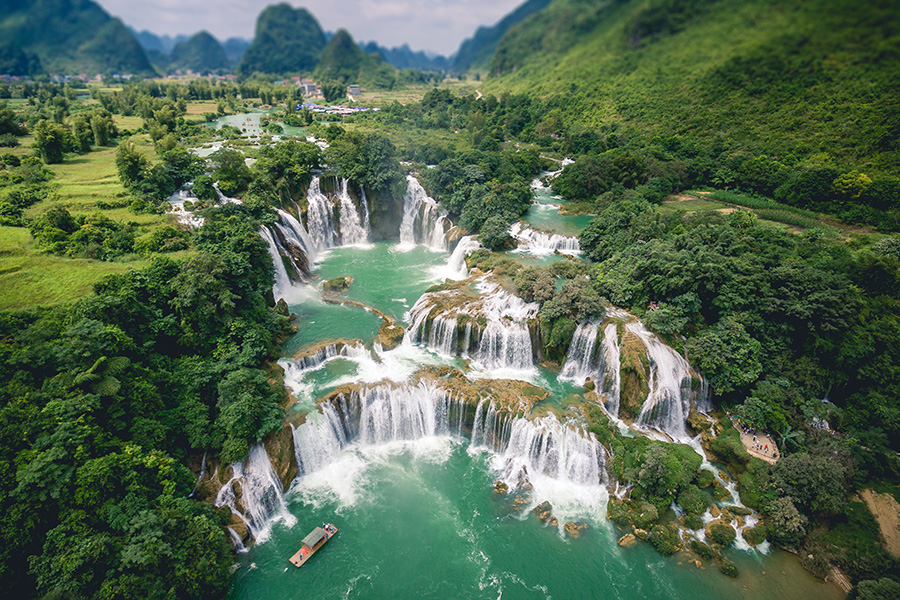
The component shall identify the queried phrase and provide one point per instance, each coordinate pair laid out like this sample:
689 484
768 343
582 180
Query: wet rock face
389 335
628 540
544 511
337 285
573 530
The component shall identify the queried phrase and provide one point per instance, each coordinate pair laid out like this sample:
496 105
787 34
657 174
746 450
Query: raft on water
312 542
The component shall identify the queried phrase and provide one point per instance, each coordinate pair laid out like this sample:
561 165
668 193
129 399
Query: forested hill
287 40
201 52
811 82
71 36
476 52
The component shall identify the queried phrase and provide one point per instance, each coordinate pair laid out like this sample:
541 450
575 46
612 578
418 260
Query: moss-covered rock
643 514
692 500
665 539
702 549
705 479
720 533
337 285
755 535
635 375
617 512
693 522
728 568
390 335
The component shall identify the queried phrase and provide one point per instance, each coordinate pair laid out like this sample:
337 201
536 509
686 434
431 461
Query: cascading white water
505 345
541 243
581 361
564 452
353 230
423 221
668 403
176 205
325 354
295 232
375 416
612 375
262 497
320 217
282 286
365 208
601 364
504 341
456 268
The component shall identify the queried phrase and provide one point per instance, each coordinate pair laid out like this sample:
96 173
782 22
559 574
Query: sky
435 25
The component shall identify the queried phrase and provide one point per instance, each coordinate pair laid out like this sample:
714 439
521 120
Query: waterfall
423 221
365 207
669 401
320 217
505 345
375 416
540 243
456 266
296 233
503 341
581 363
223 199
282 286
326 353
563 452
261 497
353 230
612 379
585 360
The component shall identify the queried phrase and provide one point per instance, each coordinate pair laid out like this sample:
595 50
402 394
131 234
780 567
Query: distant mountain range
70 36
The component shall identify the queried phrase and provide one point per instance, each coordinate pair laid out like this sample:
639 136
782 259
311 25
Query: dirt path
887 513
747 440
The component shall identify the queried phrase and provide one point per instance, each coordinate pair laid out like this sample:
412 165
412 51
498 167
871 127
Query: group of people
765 446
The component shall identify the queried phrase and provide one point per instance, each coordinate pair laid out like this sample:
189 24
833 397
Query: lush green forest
784 292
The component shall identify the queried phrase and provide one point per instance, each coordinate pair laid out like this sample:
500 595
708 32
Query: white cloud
437 25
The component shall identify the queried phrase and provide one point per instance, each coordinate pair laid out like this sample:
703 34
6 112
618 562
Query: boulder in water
628 540
500 487
642 534
554 522
281 308
390 335
573 530
543 511
337 285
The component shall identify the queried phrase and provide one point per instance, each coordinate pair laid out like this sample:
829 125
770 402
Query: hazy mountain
287 40
17 62
477 51
71 36
234 48
404 57
342 60
152 42
200 53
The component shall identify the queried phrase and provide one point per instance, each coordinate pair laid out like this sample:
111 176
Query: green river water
420 519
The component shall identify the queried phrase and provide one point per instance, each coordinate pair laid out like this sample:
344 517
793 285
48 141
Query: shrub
665 539
691 499
702 550
721 534
755 535
727 568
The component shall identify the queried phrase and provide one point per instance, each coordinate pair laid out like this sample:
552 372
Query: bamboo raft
312 542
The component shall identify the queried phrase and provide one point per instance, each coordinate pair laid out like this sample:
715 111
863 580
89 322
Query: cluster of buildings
333 110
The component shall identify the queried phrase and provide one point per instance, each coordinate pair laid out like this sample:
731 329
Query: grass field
30 278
